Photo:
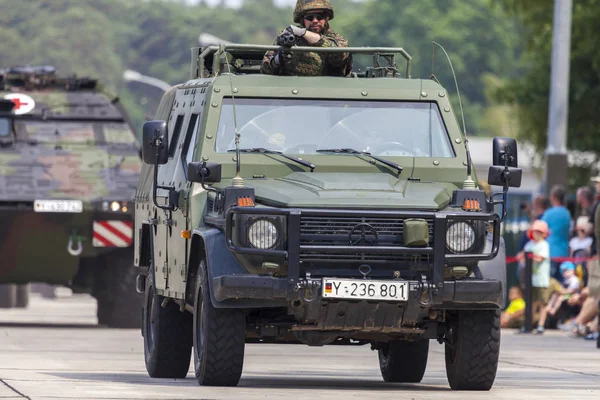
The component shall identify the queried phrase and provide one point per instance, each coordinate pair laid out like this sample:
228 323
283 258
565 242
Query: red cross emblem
23 103
18 103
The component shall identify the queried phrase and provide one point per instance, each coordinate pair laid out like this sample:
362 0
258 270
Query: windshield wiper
262 150
362 153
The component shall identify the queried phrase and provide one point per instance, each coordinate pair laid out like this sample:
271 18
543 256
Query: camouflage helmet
303 6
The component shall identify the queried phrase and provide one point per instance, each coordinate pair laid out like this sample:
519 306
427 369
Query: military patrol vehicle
69 163
316 210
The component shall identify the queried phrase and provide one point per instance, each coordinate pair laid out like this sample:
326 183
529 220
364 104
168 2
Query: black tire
403 361
167 336
472 359
119 304
8 295
23 295
219 338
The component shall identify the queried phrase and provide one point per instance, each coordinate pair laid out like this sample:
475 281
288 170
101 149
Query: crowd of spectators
562 245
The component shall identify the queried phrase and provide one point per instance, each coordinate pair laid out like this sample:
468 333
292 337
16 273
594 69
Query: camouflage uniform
312 64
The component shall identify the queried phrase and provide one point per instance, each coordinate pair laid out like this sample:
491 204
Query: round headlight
263 234
115 206
460 237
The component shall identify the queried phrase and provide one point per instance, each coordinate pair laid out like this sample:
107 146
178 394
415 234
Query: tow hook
77 250
307 288
425 292
140 283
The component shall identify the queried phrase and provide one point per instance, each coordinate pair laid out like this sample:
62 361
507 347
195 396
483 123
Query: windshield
305 126
5 127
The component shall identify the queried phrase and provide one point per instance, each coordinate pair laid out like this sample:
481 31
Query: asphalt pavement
55 350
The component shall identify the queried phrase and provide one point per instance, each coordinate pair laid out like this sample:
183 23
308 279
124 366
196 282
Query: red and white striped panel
113 233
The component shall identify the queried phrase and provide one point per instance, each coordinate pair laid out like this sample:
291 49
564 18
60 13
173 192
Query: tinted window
175 137
190 137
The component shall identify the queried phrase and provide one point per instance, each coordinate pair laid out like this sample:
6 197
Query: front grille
363 231
416 259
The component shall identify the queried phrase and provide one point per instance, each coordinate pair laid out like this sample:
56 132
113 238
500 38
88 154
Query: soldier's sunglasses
311 17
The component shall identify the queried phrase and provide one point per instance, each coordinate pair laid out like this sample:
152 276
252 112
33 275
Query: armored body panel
69 163
318 210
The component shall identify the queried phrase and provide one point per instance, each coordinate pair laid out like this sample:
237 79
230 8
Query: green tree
102 38
479 39
530 91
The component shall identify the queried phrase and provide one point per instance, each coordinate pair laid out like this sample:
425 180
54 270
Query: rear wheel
403 361
167 336
219 338
473 349
119 304
23 295
8 295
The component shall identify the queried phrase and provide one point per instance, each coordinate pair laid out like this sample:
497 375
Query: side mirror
505 176
504 152
155 141
204 172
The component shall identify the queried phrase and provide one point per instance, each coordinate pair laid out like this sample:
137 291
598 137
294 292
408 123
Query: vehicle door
177 242
164 217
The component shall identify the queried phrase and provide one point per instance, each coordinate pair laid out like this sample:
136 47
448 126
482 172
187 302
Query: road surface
54 350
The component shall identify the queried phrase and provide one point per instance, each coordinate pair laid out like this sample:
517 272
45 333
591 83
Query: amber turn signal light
245 202
471 205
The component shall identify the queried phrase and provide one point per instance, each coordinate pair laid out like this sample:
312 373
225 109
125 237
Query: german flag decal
328 288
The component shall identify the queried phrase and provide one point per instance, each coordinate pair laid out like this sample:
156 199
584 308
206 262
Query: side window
175 137
190 137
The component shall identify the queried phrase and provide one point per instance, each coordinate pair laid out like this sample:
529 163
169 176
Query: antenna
468 183
237 180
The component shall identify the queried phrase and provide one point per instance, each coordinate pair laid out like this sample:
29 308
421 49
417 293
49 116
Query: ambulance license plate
58 206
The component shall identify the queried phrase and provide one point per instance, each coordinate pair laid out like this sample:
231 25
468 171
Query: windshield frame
351 111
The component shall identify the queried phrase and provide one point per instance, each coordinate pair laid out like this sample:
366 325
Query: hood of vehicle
349 190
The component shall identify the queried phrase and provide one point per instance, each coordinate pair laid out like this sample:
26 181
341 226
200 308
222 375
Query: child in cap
540 250
570 285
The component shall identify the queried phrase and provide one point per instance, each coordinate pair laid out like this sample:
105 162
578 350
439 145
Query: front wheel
219 338
8 295
167 335
119 304
23 295
403 361
472 349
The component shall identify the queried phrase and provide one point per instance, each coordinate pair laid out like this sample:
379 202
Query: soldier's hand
282 57
296 30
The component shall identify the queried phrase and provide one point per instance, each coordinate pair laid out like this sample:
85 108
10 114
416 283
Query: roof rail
246 58
42 76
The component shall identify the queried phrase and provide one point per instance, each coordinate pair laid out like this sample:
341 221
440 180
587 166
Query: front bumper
463 294
436 252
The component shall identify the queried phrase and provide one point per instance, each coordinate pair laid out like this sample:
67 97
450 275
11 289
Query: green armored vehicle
69 163
316 210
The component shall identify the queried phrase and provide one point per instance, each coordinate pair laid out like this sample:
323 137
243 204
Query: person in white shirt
582 239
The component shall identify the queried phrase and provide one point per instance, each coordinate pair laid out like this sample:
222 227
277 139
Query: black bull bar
438 251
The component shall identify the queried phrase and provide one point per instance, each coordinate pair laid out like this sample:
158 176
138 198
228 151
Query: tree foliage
102 38
530 91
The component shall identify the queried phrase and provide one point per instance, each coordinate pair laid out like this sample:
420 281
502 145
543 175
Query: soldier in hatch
312 17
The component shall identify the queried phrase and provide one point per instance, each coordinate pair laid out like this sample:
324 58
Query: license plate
58 206
357 289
